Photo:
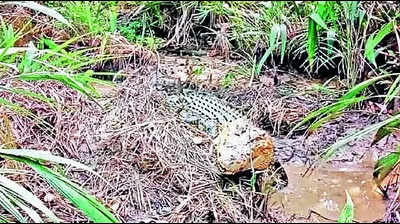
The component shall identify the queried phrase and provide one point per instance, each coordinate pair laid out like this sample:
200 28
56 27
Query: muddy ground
154 169
157 173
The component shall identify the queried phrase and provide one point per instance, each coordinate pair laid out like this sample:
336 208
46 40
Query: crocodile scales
203 109
239 145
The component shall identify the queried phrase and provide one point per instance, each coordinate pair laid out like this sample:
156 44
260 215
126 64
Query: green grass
335 31
140 29
93 17
342 37
335 35
14 197
57 64
386 164
347 213
43 61
327 113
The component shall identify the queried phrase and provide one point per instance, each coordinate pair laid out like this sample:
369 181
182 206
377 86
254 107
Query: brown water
324 192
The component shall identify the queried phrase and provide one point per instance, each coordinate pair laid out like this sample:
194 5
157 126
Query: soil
350 169
159 171
297 152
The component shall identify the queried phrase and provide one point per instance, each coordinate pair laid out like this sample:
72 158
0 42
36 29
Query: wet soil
319 196
157 172
153 182
323 192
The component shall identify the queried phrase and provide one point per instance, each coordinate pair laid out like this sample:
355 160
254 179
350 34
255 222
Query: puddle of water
324 192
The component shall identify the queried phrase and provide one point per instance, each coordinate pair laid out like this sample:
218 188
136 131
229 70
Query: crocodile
238 144
202 109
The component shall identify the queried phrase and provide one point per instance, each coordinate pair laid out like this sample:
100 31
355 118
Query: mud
158 172
320 196
323 193
153 180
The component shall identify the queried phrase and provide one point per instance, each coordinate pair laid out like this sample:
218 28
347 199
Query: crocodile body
239 145
202 109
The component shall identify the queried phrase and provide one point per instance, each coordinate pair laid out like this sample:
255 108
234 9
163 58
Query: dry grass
155 171
277 106
123 54
160 174
31 25
392 206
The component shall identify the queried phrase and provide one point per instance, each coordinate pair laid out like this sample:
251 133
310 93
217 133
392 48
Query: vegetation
46 61
347 214
74 46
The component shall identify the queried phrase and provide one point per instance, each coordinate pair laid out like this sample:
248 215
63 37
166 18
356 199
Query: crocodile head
241 146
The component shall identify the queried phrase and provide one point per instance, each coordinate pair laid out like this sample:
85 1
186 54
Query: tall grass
340 37
357 51
45 61
92 17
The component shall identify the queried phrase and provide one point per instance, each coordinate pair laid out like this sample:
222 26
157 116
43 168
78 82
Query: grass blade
30 94
31 213
272 44
273 36
16 108
78 196
361 86
262 61
77 81
27 196
333 108
330 39
386 130
39 155
43 9
314 16
333 149
323 120
374 40
347 214
88 204
311 41
394 90
8 206
385 165
4 219
284 40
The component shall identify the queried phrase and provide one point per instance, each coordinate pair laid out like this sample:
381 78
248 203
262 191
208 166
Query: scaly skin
239 145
